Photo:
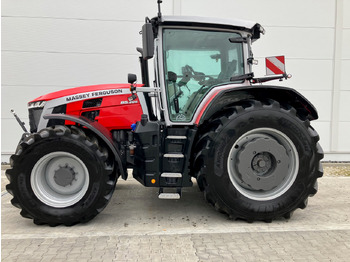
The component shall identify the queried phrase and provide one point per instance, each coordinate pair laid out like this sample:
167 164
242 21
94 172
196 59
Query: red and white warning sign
275 65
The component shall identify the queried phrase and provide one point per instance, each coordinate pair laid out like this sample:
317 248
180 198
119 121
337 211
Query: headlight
39 104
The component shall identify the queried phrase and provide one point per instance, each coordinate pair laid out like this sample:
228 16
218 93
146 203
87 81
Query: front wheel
61 175
258 161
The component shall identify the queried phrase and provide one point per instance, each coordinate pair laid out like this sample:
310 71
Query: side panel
115 112
108 106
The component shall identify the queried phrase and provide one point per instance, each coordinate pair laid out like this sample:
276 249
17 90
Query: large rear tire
60 175
258 161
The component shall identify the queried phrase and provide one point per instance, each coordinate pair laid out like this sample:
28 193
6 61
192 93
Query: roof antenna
159 13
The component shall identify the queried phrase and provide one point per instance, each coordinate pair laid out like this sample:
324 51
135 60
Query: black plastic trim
96 102
199 24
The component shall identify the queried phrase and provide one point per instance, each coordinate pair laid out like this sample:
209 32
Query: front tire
61 175
258 161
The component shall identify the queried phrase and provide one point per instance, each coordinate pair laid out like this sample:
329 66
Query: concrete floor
136 213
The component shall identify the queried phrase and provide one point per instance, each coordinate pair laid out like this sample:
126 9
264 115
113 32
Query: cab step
170 193
169 196
174 155
177 137
171 175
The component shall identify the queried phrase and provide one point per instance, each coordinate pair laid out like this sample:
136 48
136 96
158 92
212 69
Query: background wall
49 45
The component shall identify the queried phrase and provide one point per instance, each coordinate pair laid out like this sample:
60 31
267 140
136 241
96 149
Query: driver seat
228 73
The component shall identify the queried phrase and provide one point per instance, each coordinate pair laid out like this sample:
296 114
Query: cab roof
236 24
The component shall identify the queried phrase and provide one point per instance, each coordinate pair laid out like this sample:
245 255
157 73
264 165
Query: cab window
196 61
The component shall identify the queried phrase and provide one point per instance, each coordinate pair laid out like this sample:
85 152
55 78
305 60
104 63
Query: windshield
194 62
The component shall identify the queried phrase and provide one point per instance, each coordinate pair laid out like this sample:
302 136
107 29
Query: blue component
133 127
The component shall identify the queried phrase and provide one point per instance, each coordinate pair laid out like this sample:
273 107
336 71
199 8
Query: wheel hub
64 176
262 163
264 170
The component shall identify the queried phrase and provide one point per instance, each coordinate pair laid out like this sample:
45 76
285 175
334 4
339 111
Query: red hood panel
81 89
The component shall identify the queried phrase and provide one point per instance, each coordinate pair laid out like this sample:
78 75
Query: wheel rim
59 179
263 164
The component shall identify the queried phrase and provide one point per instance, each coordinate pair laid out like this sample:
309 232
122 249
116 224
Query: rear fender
100 131
284 95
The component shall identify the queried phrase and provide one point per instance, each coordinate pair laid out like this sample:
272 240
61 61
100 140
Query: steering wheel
188 73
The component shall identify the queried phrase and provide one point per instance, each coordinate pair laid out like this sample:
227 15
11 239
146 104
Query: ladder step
176 137
174 155
169 196
174 175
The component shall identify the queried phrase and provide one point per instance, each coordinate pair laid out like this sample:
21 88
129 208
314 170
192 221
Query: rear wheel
258 161
61 176
263 164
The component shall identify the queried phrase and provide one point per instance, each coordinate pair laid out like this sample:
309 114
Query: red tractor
250 146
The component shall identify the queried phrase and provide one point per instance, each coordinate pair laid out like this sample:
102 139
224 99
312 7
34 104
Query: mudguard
284 95
98 130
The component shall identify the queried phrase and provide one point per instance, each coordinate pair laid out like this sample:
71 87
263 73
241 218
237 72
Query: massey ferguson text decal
94 94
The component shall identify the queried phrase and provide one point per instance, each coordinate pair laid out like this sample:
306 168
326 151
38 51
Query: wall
48 45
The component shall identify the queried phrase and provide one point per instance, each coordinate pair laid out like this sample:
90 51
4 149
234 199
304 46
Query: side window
234 65
184 91
199 60
194 62
236 55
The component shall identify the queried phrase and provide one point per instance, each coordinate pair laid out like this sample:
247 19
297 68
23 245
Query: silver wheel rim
59 179
263 164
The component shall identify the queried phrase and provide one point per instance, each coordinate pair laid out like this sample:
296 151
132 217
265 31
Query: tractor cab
193 55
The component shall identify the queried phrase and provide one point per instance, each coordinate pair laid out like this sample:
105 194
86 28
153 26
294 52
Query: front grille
34 118
62 109
92 103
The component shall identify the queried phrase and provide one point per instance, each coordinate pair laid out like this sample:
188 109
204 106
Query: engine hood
79 90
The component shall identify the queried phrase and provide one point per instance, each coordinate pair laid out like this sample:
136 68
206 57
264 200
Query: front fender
98 130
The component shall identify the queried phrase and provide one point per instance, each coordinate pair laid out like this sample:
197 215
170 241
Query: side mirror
139 49
132 78
147 41
238 40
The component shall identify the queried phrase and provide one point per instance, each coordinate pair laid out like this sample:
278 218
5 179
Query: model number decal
93 94
127 102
